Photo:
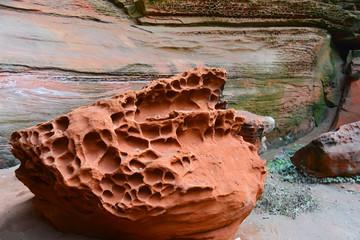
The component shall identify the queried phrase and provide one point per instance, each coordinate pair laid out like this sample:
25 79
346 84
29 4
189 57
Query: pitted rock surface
164 162
332 154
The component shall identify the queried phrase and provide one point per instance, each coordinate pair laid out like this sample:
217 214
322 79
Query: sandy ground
338 217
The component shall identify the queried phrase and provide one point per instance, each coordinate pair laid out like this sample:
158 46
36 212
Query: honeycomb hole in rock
110 161
227 131
167 190
129 143
129 103
150 131
171 94
126 169
133 194
74 181
106 183
44 128
70 169
166 130
219 122
119 178
165 145
34 139
129 114
202 97
153 175
135 180
160 105
15 137
108 195
144 193
124 127
118 192
149 155
136 165
127 199
97 188
201 121
62 123
65 159
158 186
230 116
182 102
190 136
106 136
193 80
133 130
169 177
213 99
155 198
48 135
209 133
116 118
210 81
94 146
182 82
60 146
176 85
49 160
44 150
186 161
127 186
77 163
85 176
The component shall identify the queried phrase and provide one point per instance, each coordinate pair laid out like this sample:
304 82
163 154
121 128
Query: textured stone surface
350 108
166 159
332 154
340 17
255 128
282 72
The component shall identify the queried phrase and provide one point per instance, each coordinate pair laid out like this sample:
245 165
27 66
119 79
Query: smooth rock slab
164 162
332 154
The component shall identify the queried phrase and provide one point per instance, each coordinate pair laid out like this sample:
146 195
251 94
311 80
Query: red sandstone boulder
254 128
332 154
164 162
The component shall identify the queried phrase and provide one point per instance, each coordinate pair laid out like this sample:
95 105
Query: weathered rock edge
164 162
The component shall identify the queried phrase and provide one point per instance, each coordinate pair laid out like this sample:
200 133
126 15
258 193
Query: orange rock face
164 162
332 154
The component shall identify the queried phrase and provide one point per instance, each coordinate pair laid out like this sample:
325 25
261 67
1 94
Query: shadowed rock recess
164 162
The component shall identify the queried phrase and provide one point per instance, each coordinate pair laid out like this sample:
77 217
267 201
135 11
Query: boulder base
164 162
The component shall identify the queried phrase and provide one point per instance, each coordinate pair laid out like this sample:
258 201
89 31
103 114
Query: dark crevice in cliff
346 54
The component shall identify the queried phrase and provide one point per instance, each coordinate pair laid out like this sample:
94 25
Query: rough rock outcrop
349 110
255 128
164 162
340 17
332 154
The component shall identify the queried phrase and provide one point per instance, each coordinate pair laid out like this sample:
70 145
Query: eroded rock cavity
164 162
